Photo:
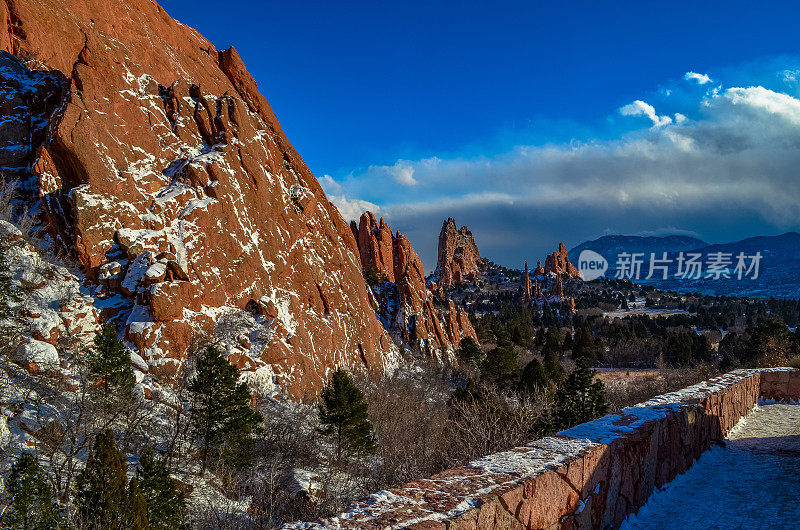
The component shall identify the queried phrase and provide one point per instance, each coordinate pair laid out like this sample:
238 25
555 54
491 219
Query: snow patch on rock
44 355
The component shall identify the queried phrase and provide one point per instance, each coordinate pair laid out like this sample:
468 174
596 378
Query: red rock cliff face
406 307
458 260
168 174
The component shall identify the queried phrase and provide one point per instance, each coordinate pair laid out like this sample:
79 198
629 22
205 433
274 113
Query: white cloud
640 108
701 79
668 231
476 200
732 166
351 209
330 185
403 173
790 76
760 99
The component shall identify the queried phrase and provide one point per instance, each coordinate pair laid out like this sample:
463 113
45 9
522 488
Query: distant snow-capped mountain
778 265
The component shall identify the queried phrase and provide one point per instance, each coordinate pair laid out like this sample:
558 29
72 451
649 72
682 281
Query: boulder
39 353
155 273
168 299
9 233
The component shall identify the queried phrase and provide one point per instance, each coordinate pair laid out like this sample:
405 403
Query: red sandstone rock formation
407 307
537 293
558 263
166 172
458 260
532 292
527 287
557 289
375 245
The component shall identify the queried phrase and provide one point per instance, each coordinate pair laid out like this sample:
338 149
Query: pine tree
552 367
110 364
166 506
539 338
469 351
221 417
580 398
469 393
584 346
500 365
769 344
102 496
534 378
32 505
553 339
136 508
374 276
343 414
569 342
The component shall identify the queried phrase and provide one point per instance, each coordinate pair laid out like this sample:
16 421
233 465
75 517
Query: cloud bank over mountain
718 161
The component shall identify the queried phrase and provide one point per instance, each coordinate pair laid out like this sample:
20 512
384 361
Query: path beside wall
591 476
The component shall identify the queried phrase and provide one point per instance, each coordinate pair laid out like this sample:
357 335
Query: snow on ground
752 483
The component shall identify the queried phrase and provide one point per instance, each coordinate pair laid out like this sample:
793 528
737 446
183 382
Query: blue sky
520 119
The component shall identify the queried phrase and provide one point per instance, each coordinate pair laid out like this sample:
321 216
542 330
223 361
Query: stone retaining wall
591 476
780 385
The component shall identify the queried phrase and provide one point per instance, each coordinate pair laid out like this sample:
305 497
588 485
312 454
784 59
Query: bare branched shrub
13 208
27 224
233 323
629 391
409 413
290 437
494 422
8 191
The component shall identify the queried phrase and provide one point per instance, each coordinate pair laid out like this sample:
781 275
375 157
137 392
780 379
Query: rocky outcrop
531 291
405 305
375 245
160 165
558 263
557 291
27 98
537 292
458 260
55 312
526 287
